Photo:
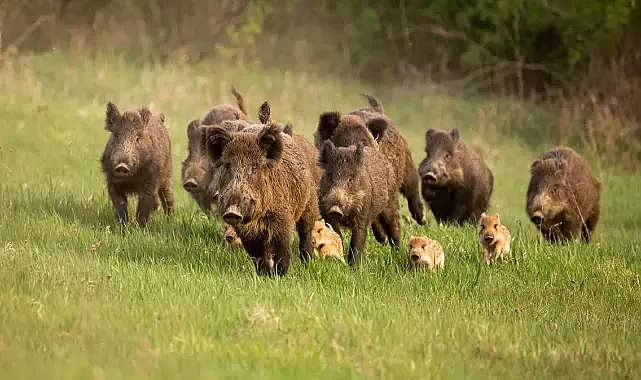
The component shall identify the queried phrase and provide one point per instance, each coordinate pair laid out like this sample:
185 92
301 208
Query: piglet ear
327 152
112 117
264 113
215 141
327 124
483 215
378 126
455 133
271 141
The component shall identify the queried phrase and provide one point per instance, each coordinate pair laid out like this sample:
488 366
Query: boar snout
229 238
335 212
190 184
415 257
429 177
122 169
488 238
232 215
537 218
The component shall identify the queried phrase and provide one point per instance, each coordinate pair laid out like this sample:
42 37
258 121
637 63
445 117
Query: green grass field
78 300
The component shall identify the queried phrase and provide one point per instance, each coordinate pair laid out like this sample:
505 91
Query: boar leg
379 232
283 253
166 195
356 244
305 247
411 191
119 200
304 227
256 250
589 227
147 203
390 219
460 210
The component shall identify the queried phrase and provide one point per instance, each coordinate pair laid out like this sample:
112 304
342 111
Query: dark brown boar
358 187
137 159
563 196
266 190
455 181
196 172
352 126
376 129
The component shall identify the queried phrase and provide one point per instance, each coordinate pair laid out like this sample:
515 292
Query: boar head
349 130
440 167
245 163
130 145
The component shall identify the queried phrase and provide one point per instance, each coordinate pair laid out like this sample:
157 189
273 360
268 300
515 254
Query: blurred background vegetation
582 55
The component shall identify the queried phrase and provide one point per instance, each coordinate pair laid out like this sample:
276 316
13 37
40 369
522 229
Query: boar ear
455 134
360 153
483 215
535 165
271 141
112 117
215 141
161 117
327 152
327 124
145 115
193 126
289 129
378 126
264 113
429 133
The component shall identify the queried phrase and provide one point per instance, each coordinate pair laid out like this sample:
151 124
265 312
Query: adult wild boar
563 196
358 187
455 181
376 130
196 171
137 160
266 190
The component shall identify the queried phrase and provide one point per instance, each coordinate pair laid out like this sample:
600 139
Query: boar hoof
190 184
232 215
537 218
122 169
336 212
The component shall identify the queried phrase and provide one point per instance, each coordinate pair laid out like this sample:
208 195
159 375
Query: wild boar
494 237
377 130
327 243
358 186
266 190
137 160
196 172
426 252
455 181
563 196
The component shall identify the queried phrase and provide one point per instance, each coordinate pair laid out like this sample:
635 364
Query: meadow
79 300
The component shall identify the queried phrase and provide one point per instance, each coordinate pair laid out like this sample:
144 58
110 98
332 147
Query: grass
79 300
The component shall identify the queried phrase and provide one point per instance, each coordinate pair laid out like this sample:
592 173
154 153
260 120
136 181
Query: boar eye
482 226
496 226
448 156
137 139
